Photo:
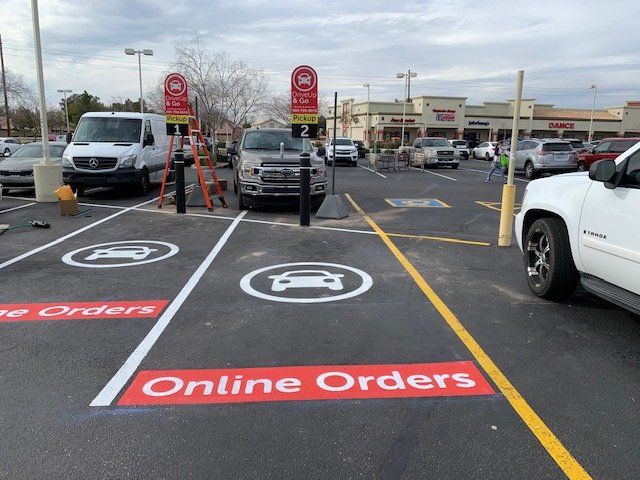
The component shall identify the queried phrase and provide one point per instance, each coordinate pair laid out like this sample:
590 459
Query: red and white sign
304 90
562 125
18 312
176 95
279 384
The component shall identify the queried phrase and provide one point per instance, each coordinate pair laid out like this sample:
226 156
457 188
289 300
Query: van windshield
108 129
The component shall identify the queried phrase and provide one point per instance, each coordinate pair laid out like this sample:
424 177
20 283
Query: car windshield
35 151
557 147
108 129
342 141
435 142
265 140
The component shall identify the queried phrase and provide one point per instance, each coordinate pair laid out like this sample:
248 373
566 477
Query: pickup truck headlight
128 161
66 161
320 170
249 170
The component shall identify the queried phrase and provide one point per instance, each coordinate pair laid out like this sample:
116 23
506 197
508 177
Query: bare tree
226 89
278 107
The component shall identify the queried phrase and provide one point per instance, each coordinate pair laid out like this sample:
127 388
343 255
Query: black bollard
178 164
305 189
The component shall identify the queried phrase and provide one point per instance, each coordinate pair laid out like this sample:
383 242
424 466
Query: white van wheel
143 183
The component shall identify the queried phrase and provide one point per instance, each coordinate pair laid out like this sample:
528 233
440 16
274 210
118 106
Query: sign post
304 102
176 105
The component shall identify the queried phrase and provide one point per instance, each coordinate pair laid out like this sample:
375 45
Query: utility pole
4 89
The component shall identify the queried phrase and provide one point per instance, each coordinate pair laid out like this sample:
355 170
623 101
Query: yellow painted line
549 441
492 206
440 239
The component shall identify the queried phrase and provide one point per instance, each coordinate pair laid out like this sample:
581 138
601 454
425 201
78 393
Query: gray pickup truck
433 151
266 167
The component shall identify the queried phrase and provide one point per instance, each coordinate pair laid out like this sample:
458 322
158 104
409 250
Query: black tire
582 167
455 167
235 185
241 204
487 157
551 273
6 150
143 186
5 190
354 164
529 171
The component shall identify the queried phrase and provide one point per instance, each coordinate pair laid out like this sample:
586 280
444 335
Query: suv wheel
529 172
551 272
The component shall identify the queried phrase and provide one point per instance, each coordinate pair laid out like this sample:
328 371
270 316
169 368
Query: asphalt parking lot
398 343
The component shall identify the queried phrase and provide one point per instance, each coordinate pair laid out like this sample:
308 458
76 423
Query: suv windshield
342 141
108 129
265 140
557 147
435 142
455 143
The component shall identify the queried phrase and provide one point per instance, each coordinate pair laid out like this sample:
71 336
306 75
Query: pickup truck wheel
582 166
551 273
529 172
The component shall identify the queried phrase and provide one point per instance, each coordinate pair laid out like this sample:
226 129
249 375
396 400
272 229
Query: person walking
496 165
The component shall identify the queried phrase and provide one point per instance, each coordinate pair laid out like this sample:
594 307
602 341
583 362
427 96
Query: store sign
478 122
326 382
399 120
304 102
562 125
443 115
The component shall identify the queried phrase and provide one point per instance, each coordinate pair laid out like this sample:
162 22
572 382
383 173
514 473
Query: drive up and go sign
304 102
176 104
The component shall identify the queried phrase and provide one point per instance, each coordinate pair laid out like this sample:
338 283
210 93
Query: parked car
462 146
575 227
8 145
578 145
609 148
433 151
16 171
360 146
346 151
484 151
266 167
535 156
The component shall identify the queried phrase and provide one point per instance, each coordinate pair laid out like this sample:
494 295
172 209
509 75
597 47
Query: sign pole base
332 207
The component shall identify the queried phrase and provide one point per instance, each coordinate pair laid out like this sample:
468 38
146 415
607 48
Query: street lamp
66 110
593 106
407 85
131 51
368 134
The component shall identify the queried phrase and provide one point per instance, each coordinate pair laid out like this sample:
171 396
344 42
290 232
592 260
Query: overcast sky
461 48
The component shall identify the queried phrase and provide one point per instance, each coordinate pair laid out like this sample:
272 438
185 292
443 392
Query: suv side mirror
603 171
148 140
321 151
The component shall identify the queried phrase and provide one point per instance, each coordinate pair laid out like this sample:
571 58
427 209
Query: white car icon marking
175 85
306 279
132 252
304 79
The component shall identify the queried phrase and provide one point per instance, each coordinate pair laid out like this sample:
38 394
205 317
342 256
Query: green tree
25 120
82 103
126 105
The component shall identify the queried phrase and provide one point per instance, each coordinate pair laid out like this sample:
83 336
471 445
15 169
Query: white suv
346 152
579 227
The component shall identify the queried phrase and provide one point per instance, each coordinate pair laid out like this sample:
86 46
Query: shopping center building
452 118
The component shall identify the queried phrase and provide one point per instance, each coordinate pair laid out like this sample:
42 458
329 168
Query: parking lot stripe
126 371
371 170
17 208
545 436
440 239
434 173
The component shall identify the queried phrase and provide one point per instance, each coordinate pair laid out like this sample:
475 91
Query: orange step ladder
194 134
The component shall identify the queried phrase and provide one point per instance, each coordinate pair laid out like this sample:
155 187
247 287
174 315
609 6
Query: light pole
368 127
593 87
407 76
131 51
66 110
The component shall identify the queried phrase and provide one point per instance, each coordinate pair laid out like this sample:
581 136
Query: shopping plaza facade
452 118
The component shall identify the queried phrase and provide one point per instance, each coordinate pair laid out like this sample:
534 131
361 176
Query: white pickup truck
585 227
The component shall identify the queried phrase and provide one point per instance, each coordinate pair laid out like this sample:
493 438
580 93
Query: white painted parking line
122 376
72 234
485 172
371 170
434 173
17 208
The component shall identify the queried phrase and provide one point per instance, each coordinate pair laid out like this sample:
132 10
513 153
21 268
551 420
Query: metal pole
404 110
335 126
178 164
305 188
4 89
593 106
44 126
509 190
66 112
140 77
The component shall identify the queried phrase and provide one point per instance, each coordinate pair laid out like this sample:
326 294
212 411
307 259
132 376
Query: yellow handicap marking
496 206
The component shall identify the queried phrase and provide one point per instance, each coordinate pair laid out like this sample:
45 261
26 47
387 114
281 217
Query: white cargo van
111 149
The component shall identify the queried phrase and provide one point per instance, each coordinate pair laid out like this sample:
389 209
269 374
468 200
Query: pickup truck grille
89 163
280 174
445 153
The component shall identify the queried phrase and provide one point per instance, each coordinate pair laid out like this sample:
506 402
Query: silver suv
534 156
